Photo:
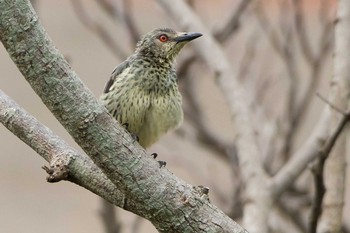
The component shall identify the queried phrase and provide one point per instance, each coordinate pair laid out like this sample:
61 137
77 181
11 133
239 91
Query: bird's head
163 44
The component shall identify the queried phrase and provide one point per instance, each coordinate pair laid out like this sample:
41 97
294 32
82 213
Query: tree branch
81 170
239 101
335 166
98 28
122 13
315 61
168 202
109 218
233 24
318 172
302 157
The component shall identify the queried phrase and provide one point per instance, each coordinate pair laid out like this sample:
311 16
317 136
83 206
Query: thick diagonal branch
81 170
168 202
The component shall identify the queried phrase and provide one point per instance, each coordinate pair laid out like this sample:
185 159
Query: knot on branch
86 121
58 169
203 192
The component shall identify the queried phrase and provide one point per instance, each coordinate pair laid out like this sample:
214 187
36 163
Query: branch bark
335 166
57 152
302 157
256 181
156 194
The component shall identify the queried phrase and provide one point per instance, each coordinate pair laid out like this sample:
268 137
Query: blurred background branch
279 52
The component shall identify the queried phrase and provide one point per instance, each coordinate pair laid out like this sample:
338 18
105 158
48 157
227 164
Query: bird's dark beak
186 36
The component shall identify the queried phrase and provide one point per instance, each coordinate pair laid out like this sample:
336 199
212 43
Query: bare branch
318 171
53 149
302 157
122 13
282 222
109 217
205 136
233 24
309 152
106 142
221 34
111 8
320 190
97 28
326 8
239 102
287 53
335 134
335 166
336 108
324 49
302 34
265 24
129 21
294 215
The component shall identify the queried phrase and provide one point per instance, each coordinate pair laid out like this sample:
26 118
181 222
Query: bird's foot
154 155
134 136
126 126
162 164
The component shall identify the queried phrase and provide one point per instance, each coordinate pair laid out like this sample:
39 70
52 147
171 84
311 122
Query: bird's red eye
163 38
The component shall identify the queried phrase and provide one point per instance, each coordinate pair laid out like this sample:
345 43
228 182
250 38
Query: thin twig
233 24
324 48
337 131
111 8
320 190
333 106
123 12
316 208
229 28
308 152
248 58
205 136
302 34
293 213
99 29
287 54
325 6
131 26
282 221
271 34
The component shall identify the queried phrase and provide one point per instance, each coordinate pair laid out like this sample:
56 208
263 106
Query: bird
142 93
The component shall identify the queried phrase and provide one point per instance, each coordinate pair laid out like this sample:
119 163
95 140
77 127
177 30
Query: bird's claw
126 126
154 155
134 136
162 164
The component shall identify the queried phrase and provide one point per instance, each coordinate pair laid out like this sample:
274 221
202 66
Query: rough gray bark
57 152
153 193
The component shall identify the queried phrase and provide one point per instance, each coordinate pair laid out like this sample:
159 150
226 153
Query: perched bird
142 92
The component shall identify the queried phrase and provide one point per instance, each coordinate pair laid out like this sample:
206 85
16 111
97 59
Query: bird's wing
118 70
